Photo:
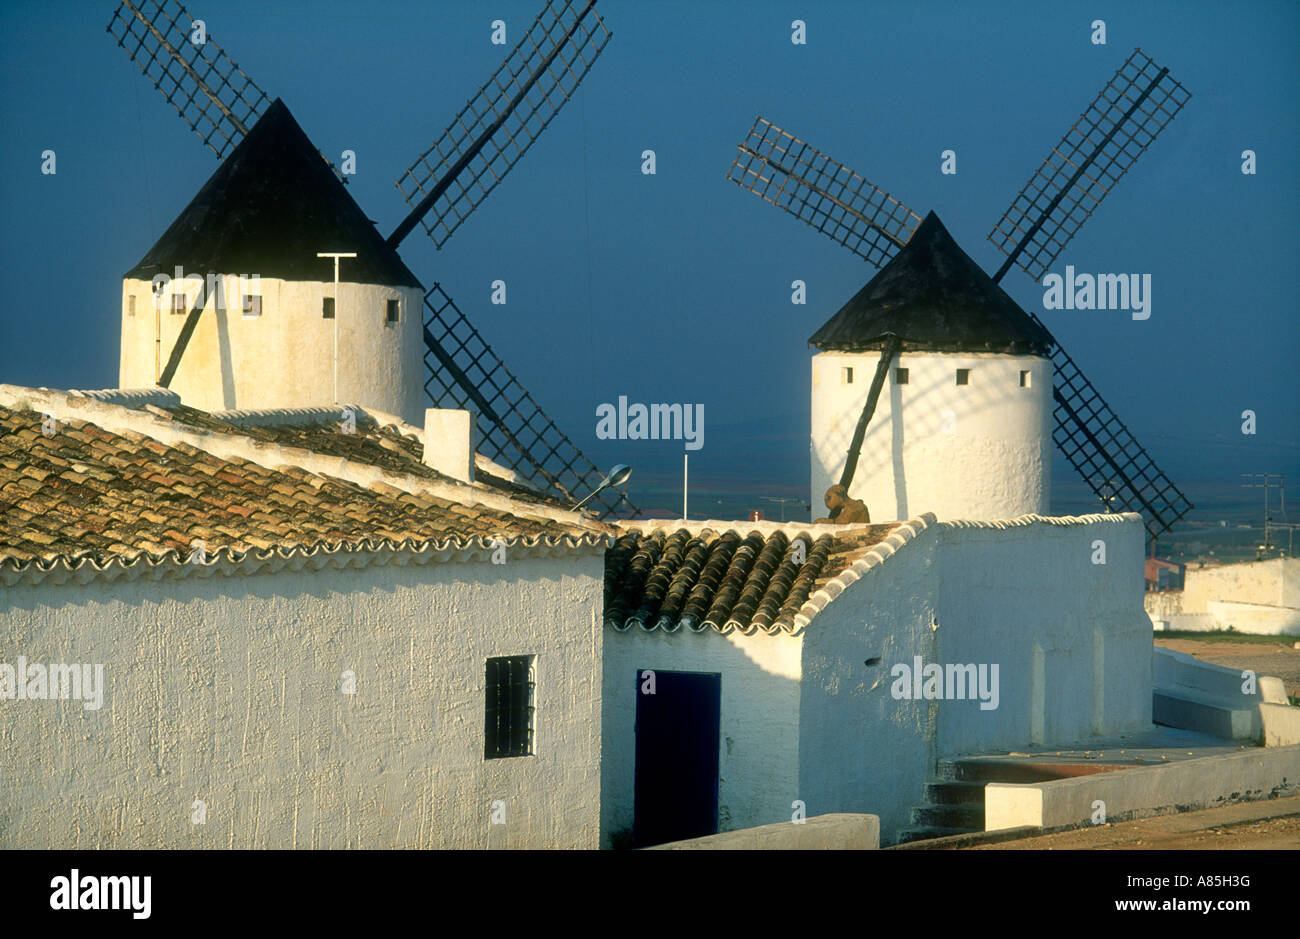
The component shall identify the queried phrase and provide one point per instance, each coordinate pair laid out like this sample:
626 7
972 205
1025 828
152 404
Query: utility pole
1267 481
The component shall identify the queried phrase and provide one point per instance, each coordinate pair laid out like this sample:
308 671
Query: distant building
1252 597
1163 575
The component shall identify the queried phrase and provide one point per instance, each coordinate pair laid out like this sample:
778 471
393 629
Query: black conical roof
267 210
932 295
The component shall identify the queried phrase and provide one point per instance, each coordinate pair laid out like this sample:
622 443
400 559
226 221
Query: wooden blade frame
497 127
1105 453
1115 129
822 192
464 372
209 91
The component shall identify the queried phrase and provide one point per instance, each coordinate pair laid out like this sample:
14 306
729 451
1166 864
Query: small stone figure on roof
844 510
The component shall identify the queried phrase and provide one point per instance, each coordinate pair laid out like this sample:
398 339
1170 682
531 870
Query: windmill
443 186
1135 105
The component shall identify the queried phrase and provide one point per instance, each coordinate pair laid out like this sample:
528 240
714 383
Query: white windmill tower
963 418
281 332
308 332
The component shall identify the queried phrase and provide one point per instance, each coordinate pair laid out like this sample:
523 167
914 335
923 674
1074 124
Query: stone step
924 834
954 792
964 817
1188 712
986 771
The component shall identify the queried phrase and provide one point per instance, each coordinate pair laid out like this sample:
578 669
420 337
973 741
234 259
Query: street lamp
617 477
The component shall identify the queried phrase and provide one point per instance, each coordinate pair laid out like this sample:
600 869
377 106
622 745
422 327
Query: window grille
508 715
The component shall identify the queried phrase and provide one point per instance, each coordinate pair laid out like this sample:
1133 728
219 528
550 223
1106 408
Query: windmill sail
1105 453
1095 153
498 125
1119 125
208 90
464 372
825 194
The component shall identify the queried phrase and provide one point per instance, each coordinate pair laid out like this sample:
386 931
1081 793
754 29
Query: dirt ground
1266 824
1279 660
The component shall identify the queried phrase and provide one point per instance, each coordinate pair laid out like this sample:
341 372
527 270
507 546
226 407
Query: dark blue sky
676 287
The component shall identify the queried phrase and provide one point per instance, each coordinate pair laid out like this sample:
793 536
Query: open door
677 734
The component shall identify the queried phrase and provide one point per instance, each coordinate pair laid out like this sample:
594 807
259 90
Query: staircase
954 801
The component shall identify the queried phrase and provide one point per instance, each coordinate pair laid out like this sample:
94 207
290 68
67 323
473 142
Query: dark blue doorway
677 731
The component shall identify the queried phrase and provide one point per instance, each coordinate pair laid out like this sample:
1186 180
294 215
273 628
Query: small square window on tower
252 305
179 307
1025 378
900 376
392 310
846 374
508 715
963 376
327 308
130 306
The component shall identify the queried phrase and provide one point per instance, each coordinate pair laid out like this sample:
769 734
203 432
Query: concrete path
1266 824
1278 659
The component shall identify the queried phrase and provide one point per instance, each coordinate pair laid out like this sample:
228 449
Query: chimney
450 440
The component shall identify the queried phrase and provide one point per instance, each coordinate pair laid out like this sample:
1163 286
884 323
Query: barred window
508 717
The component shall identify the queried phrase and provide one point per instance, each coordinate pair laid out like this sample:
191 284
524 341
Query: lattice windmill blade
465 372
1107 139
209 91
824 193
502 121
1103 451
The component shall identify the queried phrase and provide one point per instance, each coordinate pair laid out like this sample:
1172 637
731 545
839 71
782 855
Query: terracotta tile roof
377 444
88 493
725 580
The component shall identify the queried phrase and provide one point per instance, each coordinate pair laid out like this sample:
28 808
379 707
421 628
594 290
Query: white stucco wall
285 357
227 689
981 450
1070 637
758 742
1274 582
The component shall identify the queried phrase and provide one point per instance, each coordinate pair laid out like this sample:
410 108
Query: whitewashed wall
995 462
227 689
758 743
1071 639
285 357
1275 582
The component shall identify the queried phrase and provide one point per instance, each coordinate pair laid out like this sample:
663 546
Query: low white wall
1070 639
1274 582
758 744
824 833
1256 618
1134 793
228 690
